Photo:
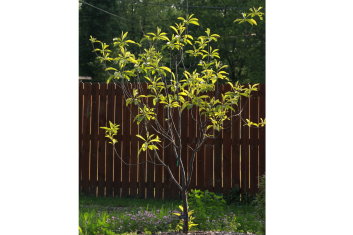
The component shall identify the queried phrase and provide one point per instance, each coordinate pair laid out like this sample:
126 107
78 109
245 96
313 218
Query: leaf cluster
191 219
111 131
173 87
149 142
250 16
262 123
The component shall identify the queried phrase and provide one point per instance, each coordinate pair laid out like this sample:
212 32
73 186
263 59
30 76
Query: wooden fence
236 158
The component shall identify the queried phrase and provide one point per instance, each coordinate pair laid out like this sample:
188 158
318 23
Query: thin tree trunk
185 211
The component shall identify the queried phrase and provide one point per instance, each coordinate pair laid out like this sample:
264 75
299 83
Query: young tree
181 72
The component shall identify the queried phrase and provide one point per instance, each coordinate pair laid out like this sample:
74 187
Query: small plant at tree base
181 72
191 223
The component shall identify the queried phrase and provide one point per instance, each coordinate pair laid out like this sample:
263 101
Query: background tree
241 47
181 71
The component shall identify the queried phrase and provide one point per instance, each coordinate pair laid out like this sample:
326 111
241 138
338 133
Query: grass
126 202
110 216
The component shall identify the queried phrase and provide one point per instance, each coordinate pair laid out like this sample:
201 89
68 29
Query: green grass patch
110 216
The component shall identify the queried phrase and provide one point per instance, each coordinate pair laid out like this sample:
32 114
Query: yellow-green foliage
173 85
191 223
250 17
181 71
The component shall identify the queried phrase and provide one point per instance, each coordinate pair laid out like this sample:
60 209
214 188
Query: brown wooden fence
235 159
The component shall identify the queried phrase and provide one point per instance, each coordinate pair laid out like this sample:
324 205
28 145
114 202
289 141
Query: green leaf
156 139
139 136
152 147
176 31
252 21
166 69
194 22
124 35
130 41
111 68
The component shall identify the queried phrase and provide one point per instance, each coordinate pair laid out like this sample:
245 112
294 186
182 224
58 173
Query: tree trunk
185 214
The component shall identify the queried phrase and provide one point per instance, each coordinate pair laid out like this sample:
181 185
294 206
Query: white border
309 108
309 144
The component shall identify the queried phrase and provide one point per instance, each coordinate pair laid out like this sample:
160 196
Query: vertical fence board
236 149
244 146
102 140
94 138
125 150
168 179
165 157
86 133
117 157
133 156
227 151
254 144
200 168
142 167
218 162
173 165
142 159
184 141
150 165
218 152
262 131
192 143
142 170
158 167
80 123
208 174
142 174
150 175
109 147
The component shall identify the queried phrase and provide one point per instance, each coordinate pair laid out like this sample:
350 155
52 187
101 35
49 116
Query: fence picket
94 138
227 151
125 150
236 150
109 147
262 131
80 113
150 166
133 152
254 132
86 133
244 156
102 140
192 143
159 168
117 155
200 168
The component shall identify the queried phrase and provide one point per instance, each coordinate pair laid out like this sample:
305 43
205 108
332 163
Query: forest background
241 46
